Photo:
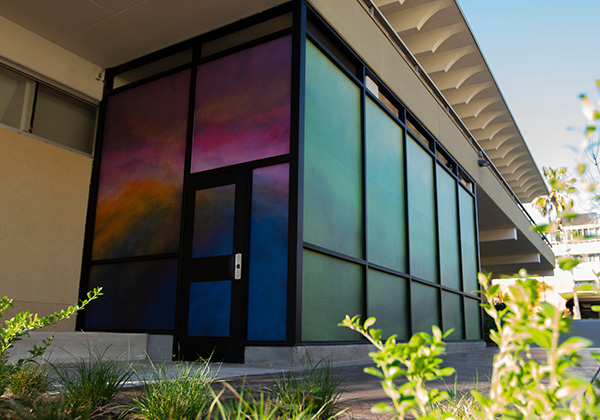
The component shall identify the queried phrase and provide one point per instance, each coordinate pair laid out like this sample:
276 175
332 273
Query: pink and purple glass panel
213 222
267 291
243 106
141 173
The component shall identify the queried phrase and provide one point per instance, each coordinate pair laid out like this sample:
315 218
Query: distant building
580 239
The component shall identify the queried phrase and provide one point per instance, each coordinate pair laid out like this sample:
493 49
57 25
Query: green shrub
315 391
521 387
94 381
28 382
23 323
185 393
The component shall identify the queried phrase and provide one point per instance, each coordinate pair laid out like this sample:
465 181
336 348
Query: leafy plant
92 381
28 381
315 391
418 361
521 387
13 329
185 393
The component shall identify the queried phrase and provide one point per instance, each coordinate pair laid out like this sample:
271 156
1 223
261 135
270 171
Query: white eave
439 38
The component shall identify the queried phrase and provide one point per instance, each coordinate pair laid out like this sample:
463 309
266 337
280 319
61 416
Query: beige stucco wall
43 202
353 22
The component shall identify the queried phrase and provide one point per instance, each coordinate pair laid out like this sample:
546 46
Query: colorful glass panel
452 315
425 307
141 172
421 212
331 288
210 309
385 190
243 106
214 215
448 228
388 302
473 319
267 290
333 163
136 296
468 238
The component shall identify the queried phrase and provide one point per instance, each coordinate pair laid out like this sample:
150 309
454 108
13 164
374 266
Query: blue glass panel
267 294
210 309
136 296
213 221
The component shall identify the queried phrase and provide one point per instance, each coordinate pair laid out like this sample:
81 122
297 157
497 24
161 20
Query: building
259 170
578 239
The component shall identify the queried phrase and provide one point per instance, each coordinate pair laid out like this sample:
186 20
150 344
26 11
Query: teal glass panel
473 319
449 247
267 284
141 170
213 222
210 309
452 315
425 307
468 240
331 289
387 296
386 231
135 296
243 106
421 212
333 165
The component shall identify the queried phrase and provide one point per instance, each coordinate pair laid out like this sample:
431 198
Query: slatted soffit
437 34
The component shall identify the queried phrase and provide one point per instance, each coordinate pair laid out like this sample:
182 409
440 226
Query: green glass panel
468 240
425 307
472 319
452 315
448 229
386 243
333 167
421 211
331 289
387 296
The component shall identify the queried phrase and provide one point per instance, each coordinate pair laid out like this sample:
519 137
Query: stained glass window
468 240
331 289
333 167
136 295
243 106
386 224
448 224
421 212
141 172
267 289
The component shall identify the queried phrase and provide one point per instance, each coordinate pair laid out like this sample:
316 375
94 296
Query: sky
543 54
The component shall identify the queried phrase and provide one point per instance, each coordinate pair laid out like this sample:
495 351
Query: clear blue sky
543 54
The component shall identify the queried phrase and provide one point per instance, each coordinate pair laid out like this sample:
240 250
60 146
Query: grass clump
185 393
93 381
314 392
28 382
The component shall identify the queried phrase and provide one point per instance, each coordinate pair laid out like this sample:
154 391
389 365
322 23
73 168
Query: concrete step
71 346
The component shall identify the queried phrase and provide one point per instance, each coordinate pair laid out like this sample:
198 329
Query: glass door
213 299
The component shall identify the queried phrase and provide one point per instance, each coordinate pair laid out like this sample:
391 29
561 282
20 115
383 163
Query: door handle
237 266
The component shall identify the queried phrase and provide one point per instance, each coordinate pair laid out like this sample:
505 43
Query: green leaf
568 263
589 129
369 322
374 371
541 338
580 168
596 308
381 408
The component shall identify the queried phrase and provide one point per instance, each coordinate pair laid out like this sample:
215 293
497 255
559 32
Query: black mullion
334 59
91 212
437 234
136 258
363 150
185 232
478 257
404 145
296 199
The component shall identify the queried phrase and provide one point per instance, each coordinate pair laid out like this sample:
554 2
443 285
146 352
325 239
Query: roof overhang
439 38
